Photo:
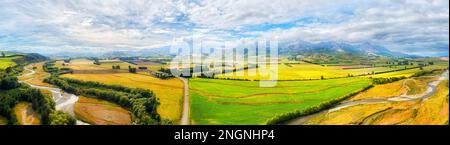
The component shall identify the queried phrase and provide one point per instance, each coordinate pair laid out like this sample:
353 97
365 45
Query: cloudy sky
410 26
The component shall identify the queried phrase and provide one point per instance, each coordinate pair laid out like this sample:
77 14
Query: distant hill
332 52
336 48
26 57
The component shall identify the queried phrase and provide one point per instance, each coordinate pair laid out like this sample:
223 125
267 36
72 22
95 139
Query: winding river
431 90
64 101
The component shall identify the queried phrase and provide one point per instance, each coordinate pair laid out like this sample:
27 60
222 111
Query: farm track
431 90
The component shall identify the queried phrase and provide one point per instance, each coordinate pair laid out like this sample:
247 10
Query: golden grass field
151 65
99 112
304 71
84 64
38 77
432 111
26 115
169 92
384 91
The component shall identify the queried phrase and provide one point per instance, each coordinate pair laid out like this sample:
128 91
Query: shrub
311 110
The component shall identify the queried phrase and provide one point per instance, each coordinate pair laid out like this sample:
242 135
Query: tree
96 62
132 69
3 54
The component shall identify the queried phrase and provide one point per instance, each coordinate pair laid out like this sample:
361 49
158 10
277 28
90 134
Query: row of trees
142 103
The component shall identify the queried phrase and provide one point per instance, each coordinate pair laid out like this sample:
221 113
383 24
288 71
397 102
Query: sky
419 27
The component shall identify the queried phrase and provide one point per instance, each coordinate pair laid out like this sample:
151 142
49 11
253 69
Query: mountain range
336 48
291 48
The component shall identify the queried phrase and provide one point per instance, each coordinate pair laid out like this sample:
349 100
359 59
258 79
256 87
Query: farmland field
26 115
87 66
305 71
169 92
244 102
36 78
7 62
100 112
433 110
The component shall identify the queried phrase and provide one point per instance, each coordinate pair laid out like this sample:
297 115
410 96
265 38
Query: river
63 101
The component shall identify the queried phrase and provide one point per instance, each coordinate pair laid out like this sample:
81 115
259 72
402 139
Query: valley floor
430 108
95 111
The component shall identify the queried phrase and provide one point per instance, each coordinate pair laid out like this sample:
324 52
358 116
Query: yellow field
347 116
411 86
383 91
152 66
169 92
432 111
100 112
304 71
26 115
3 120
418 85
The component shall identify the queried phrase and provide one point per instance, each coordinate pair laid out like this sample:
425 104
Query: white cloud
136 24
